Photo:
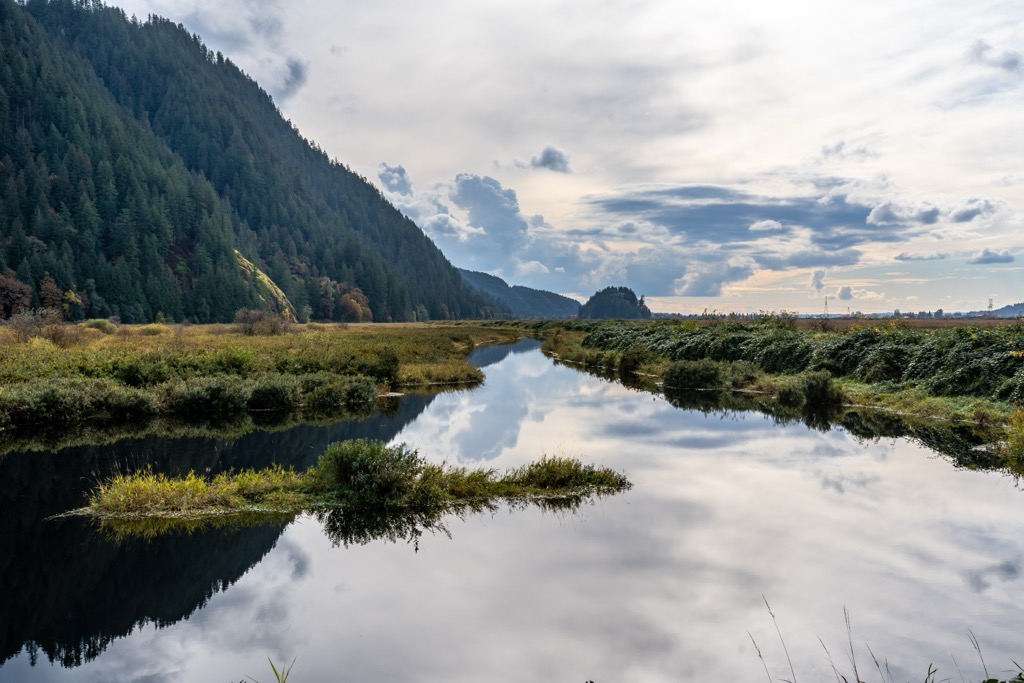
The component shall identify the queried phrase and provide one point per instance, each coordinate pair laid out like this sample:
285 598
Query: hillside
615 302
134 161
523 302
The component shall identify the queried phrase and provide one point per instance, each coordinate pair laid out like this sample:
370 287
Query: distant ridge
523 302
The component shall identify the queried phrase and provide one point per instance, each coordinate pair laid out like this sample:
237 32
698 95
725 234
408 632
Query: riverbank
961 375
66 379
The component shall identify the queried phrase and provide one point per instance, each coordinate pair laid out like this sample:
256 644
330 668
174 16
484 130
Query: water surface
662 583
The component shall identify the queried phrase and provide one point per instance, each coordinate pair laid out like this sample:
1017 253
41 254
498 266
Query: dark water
660 584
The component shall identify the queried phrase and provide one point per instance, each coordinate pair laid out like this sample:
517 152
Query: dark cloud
395 179
490 207
889 213
553 159
818 280
294 79
992 256
981 579
971 209
808 258
845 293
726 216
937 256
982 53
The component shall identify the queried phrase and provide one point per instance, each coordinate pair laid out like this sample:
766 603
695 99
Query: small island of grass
366 479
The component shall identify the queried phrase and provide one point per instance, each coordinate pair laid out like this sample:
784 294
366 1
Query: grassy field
62 381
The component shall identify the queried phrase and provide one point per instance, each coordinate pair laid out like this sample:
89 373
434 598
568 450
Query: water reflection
661 584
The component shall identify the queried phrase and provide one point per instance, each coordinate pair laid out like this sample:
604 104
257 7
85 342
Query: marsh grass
192 372
360 489
962 372
882 667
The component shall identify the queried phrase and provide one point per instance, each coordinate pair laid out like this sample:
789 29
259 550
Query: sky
731 156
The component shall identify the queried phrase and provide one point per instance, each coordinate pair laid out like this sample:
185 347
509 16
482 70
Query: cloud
889 213
848 293
840 151
553 159
294 79
708 279
818 280
255 34
490 206
982 53
937 256
972 208
808 258
395 179
764 226
990 256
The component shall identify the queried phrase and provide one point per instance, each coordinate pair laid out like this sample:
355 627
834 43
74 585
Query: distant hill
615 302
134 162
1011 311
523 302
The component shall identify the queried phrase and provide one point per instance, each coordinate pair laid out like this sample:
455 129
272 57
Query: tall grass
882 667
195 372
361 488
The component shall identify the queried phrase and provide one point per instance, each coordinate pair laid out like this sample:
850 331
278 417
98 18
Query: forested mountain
134 162
615 302
523 302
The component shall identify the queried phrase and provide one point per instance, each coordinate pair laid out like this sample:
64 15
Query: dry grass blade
785 649
977 648
760 656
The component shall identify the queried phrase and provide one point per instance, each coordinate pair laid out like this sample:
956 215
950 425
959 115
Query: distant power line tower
990 305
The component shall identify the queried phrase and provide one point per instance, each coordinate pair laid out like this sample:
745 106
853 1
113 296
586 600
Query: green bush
694 374
102 324
630 361
207 396
367 472
274 392
820 391
142 371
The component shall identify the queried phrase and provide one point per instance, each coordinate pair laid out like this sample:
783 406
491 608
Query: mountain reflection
70 591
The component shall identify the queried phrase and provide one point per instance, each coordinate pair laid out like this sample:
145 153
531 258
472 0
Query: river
667 582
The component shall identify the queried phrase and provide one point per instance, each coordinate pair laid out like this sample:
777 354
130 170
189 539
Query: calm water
662 583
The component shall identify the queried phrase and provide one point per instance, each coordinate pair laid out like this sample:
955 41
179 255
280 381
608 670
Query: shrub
256 321
275 392
820 391
233 360
790 395
207 395
45 323
102 324
694 374
630 362
367 472
154 330
142 371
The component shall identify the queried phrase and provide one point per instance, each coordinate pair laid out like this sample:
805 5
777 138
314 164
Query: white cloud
740 98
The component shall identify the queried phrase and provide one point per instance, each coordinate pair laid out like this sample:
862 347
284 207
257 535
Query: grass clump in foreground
884 673
361 490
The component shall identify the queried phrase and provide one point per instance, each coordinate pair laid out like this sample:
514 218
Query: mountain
134 162
1010 311
523 302
615 302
